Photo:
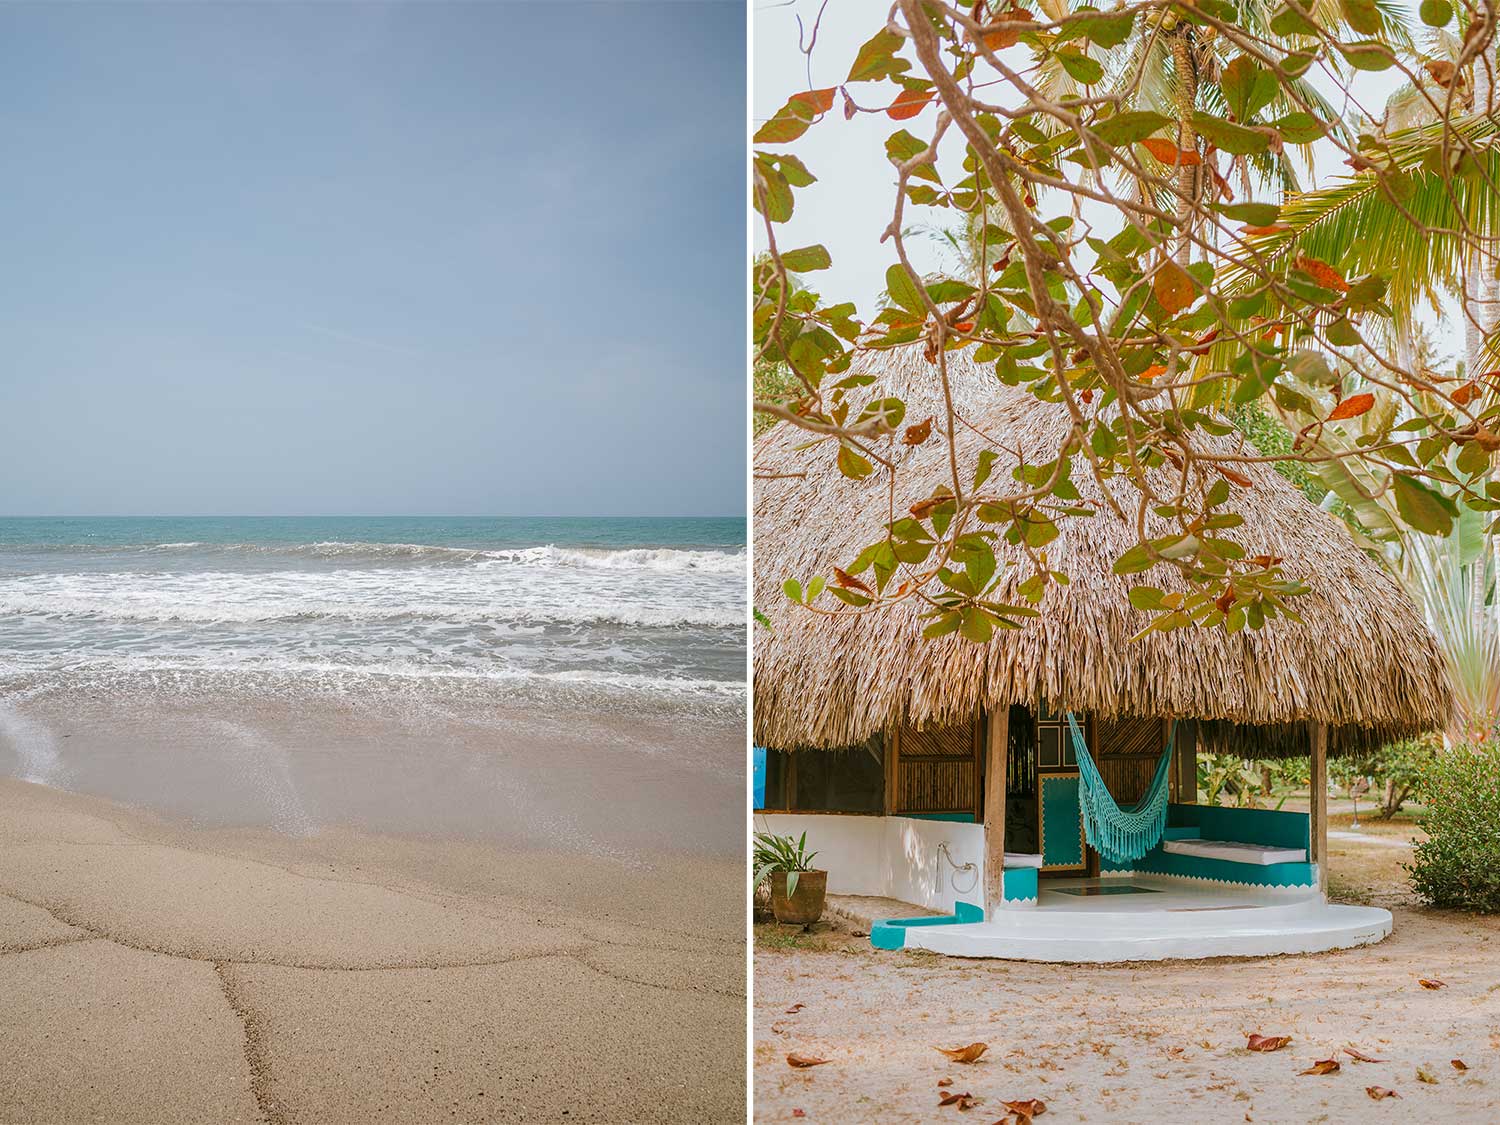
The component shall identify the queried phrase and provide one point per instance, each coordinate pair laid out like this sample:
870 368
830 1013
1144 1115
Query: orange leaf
1168 153
1458 1064
795 1008
1173 287
1432 984
1466 393
1234 476
1201 344
1152 372
1359 1056
1266 1042
1025 1110
821 101
1352 407
967 1054
1274 228
1266 560
945 1081
1321 272
908 103
1007 30
1225 602
849 582
1323 1066
1379 1092
803 1061
916 435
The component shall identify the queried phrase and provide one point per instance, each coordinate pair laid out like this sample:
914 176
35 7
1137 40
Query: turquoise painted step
1019 884
892 934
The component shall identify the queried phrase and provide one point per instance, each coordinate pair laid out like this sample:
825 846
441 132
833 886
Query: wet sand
370 926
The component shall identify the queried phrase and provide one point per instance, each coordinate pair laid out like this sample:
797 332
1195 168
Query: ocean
119 636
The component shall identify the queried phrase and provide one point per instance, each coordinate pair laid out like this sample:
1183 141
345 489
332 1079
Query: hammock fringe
1121 835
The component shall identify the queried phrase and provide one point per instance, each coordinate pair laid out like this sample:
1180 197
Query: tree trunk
1187 141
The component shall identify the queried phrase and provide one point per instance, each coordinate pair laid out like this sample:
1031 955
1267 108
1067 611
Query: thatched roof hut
1361 661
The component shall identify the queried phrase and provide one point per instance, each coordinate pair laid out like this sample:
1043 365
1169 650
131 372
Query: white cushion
1234 851
1022 859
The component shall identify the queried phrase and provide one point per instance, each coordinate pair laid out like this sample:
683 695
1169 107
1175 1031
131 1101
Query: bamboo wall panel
934 786
939 742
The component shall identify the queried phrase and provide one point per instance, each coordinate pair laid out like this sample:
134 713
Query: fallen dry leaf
967 1054
1458 1064
795 1008
963 1101
945 1081
797 1060
799 1113
1323 1066
1359 1056
1266 1042
1425 1075
1025 1111
1433 984
1379 1092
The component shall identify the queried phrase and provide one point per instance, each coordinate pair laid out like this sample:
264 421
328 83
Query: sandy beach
1144 1043
154 971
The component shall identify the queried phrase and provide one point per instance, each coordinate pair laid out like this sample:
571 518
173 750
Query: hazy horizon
373 259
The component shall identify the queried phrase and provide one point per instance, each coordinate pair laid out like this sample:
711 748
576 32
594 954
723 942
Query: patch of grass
1347 891
772 937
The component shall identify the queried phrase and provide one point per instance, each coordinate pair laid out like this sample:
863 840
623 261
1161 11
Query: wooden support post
1318 806
997 744
892 770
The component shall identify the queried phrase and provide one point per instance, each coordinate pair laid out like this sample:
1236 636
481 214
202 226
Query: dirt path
1142 1043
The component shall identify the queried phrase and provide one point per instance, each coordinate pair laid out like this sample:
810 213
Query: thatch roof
1362 660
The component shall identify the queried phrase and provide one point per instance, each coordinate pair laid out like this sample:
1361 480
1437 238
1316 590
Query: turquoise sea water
607 615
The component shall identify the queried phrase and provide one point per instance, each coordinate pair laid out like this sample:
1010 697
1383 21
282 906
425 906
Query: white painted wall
890 856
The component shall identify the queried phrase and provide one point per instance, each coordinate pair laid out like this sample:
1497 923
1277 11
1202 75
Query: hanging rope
1121 835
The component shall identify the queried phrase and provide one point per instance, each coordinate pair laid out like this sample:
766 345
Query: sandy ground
152 971
1143 1043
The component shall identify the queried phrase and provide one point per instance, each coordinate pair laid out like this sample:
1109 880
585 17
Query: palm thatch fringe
1362 660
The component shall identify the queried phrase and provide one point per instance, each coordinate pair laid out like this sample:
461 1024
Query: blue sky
364 258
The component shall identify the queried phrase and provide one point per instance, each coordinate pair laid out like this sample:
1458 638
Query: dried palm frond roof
1362 659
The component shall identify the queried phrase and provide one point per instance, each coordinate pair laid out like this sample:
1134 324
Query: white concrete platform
1166 918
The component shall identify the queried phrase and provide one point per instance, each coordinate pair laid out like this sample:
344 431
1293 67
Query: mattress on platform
1233 851
1022 859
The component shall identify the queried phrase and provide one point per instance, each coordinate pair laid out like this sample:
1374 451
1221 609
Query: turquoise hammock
1121 835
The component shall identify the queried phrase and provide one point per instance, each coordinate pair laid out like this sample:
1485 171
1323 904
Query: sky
361 258
853 200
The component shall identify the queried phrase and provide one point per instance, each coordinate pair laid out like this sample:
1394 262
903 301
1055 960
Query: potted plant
797 889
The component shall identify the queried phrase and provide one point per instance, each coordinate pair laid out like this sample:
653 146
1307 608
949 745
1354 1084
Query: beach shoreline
151 970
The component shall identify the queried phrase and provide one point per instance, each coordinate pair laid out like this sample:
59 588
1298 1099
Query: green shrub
1459 865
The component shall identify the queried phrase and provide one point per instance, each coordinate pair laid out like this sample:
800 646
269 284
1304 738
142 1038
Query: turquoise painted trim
955 817
1227 871
1182 834
1062 822
1248 826
892 934
758 774
1019 884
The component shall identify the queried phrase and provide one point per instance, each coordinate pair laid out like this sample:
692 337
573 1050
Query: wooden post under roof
1318 805
892 769
997 743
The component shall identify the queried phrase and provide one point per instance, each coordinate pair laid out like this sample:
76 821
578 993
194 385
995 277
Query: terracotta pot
806 906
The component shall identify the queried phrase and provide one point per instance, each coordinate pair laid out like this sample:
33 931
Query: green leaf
1362 16
1435 13
1129 127
1421 507
985 467
1135 560
805 259
853 465
1146 597
945 624
1300 128
876 59
1292 19
1248 87
1253 214
1368 56
1108 30
1079 66
904 291
1231 137
976 626
792 589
